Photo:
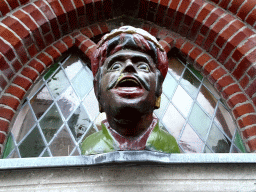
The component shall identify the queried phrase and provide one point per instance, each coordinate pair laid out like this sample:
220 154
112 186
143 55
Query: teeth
129 80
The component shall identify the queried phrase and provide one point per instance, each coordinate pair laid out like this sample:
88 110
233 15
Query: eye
144 67
115 66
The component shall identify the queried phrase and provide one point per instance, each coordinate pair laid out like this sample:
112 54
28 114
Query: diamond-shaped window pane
176 67
23 124
58 83
79 122
63 144
51 122
173 121
41 102
82 83
91 104
218 141
169 85
9 146
72 66
32 145
200 121
67 102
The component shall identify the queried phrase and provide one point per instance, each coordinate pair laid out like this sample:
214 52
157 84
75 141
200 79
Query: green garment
104 142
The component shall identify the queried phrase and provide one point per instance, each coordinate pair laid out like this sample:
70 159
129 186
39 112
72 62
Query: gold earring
158 101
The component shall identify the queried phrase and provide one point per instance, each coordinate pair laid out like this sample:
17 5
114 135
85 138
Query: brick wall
218 37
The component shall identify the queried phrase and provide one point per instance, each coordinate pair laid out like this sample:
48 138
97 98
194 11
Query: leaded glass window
61 110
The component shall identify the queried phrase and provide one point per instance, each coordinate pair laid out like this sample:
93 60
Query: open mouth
129 87
128 82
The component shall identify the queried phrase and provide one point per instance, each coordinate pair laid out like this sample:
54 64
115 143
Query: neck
131 128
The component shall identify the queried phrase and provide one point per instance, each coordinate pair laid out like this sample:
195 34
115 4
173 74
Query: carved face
128 84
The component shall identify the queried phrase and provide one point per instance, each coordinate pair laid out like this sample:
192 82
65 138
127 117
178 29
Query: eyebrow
123 57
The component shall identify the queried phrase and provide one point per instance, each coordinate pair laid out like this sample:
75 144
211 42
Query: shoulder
95 144
162 141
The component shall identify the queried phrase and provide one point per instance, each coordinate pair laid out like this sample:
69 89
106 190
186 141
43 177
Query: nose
129 67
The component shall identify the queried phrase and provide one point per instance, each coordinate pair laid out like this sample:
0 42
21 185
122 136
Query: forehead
129 54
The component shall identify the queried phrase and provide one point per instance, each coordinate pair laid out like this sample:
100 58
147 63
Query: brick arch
216 41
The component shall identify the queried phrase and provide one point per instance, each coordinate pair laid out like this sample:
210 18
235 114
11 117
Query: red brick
244 81
251 89
85 45
165 45
154 31
79 7
187 48
49 39
179 43
38 17
194 54
6 113
164 2
252 144
229 65
4 126
246 8
217 74
4 8
21 81
6 50
87 32
45 59
37 66
160 14
58 11
210 20
3 82
70 10
39 39
251 18
24 18
209 67
16 65
192 12
98 10
230 90
13 3
235 6
60 46
79 39
89 10
16 91
254 101
23 2
224 3
199 40
239 98
103 27
50 16
247 121
169 40
244 65
107 8
2 138
5 68
243 109
53 52
201 61
223 82
9 36
90 52
68 41
32 50
252 71
215 51
241 51
95 30
249 132
30 73
10 101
